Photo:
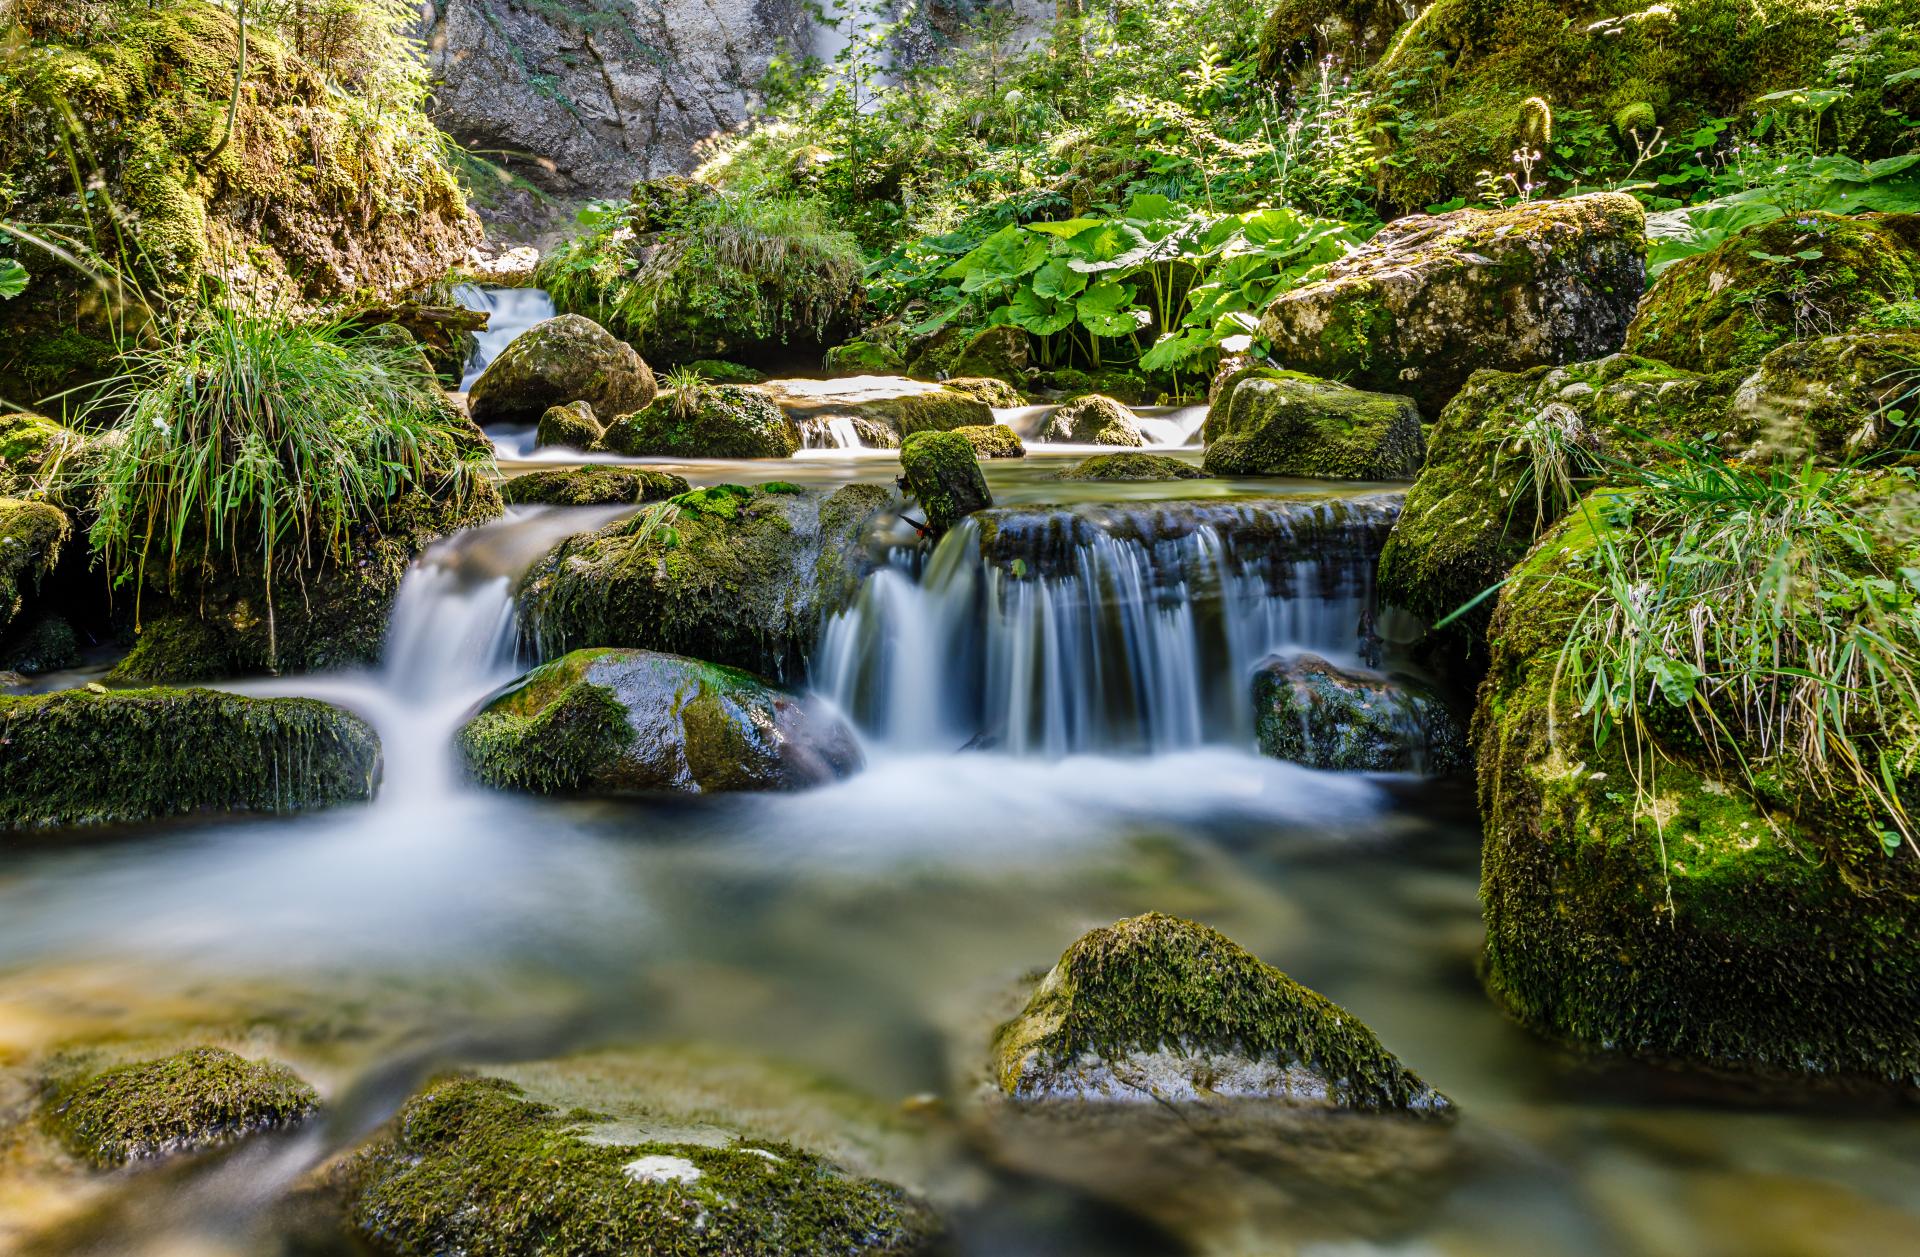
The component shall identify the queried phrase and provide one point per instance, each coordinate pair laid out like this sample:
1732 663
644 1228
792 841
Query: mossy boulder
1155 1009
33 452
573 425
591 486
1092 420
1120 383
996 393
46 643
1132 467
993 441
742 577
1800 277
999 353
1431 299
31 535
864 357
191 1100
1690 922
631 721
91 756
556 362
1309 712
477 1165
717 421
1282 423
941 470
900 405
1836 397
1299 34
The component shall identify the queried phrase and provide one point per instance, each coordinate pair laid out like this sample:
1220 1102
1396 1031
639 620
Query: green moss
943 473
715 371
1282 423
474 1166
550 734
1132 467
31 535
46 644
86 756
993 441
996 393
560 362
186 1101
1093 420
724 421
1155 981
998 353
572 425
590 486
940 411
863 357
33 450
1729 307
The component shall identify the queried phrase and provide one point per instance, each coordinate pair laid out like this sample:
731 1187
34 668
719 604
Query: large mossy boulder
555 363
999 353
33 450
941 470
1133 467
1300 34
1155 1009
191 1100
1092 420
1836 398
1309 712
93 756
715 421
1431 299
31 536
864 357
739 576
1701 911
631 721
591 486
1282 423
480 1165
1795 278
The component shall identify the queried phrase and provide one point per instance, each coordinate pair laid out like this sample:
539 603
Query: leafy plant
687 389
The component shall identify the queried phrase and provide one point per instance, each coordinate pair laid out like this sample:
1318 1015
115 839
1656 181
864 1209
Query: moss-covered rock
573 425
1836 398
31 534
1432 299
476 1165
993 441
34 451
631 721
45 643
1282 423
556 362
1809 275
719 371
999 353
864 357
940 469
1120 383
181 1103
996 393
95 756
743 577
1299 33
1159 1009
591 486
1092 420
1132 467
1310 712
1693 923
718 421
900 405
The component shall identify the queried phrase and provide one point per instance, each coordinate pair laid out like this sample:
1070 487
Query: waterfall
511 310
1102 628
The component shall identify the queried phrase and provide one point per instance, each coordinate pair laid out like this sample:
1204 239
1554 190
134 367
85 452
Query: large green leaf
1040 315
1107 309
1005 255
1066 229
13 279
1058 279
1109 246
1151 207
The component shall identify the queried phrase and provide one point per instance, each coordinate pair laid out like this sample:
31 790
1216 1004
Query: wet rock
1836 397
180 1103
714 421
864 357
556 362
47 644
1132 467
1312 713
904 406
572 425
443 333
1431 299
941 471
1092 420
161 752
1795 278
998 353
993 441
994 392
31 534
591 486
1282 423
740 576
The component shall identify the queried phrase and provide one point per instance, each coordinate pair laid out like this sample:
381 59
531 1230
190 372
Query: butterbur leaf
1058 279
1039 315
1005 255
1067 229
13 279
1106 309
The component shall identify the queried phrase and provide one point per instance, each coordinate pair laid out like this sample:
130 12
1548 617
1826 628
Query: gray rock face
592 96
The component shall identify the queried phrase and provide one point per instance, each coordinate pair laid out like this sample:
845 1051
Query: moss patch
1132 467
993 441
723 421
572 425
31 535
190 1100
1282 423
1093 420
591 486
942 472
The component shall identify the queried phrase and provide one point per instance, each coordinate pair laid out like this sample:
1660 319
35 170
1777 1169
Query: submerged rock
941 471
743 577
1312 713
718 421
556 362
1431 299
180 1103
591 486
994 441
1092 420
626 721
1132 467
1282 423
93 756
573 425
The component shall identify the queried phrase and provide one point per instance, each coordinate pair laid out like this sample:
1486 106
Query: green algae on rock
94 756
1131 466
739 576
1155 1008
1431 299
1092 420
719 421
562 360
876 405
628 721
591 486
940 469
573 425
1309 712
31 535
864 357
993 441
34 451
181 1103
1836 398
994 392
1282 423
474 1165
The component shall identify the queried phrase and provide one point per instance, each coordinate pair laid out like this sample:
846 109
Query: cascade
512 311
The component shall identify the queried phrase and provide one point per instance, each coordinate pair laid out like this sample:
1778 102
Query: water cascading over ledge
1055 630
